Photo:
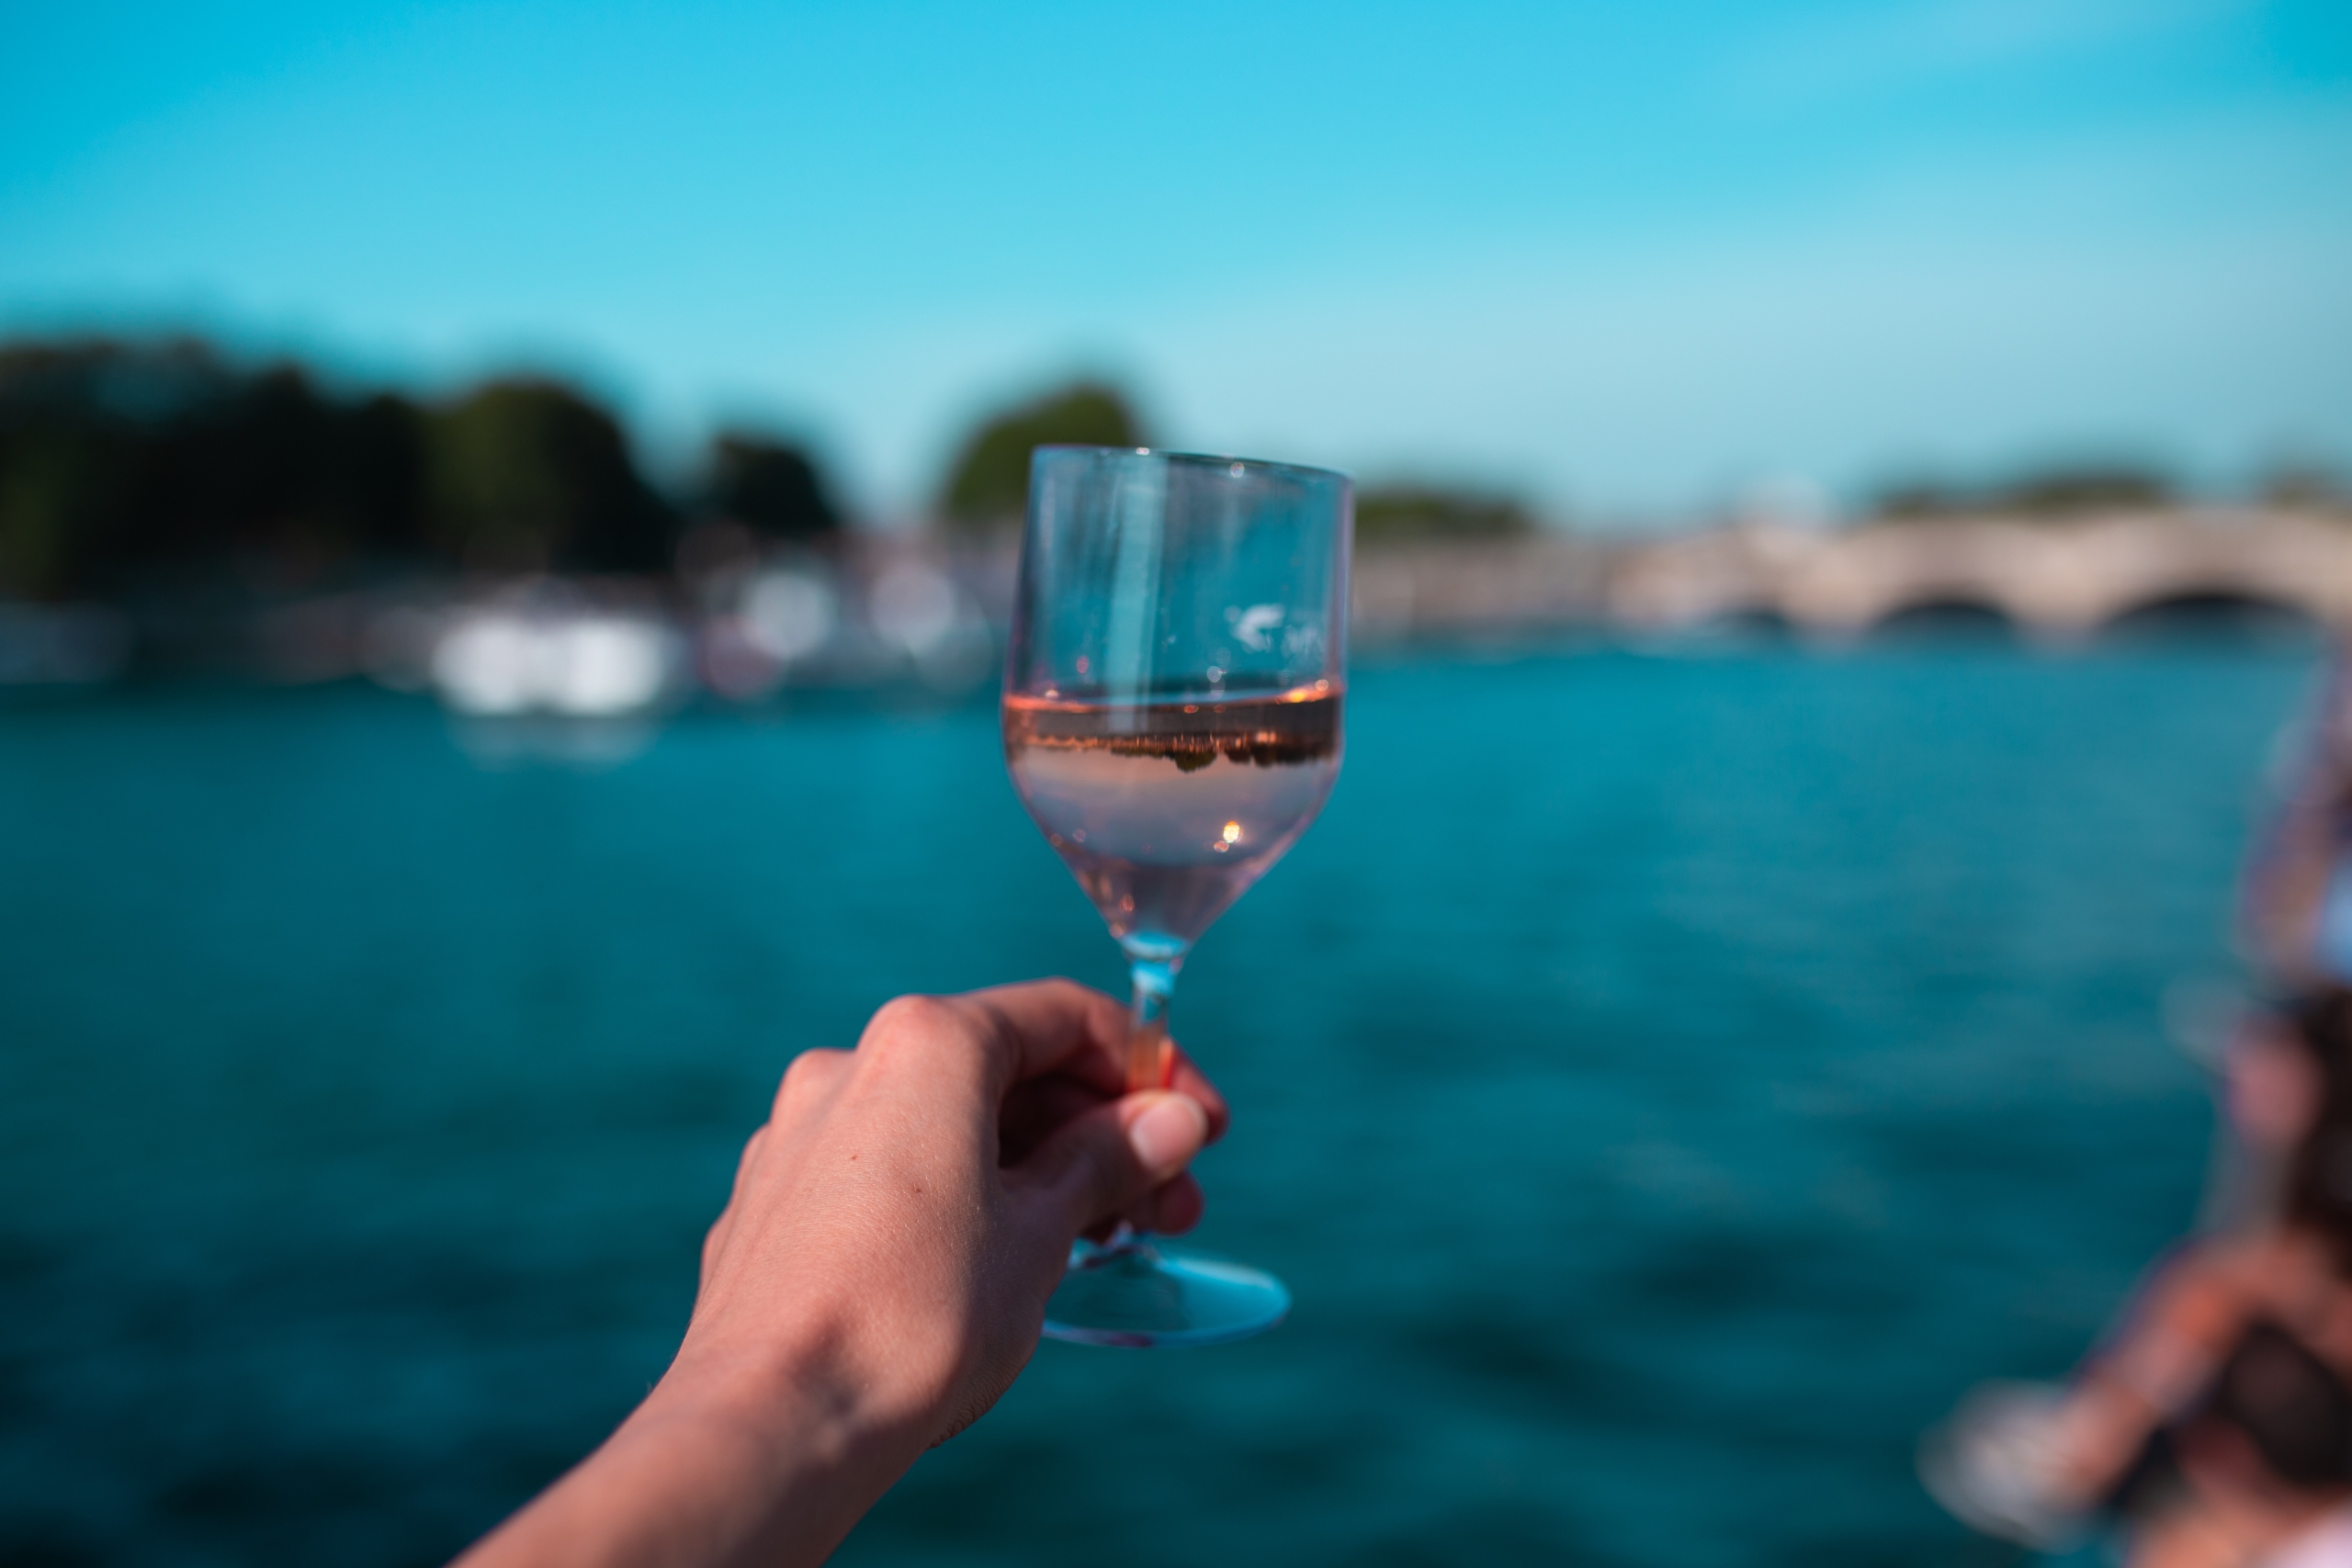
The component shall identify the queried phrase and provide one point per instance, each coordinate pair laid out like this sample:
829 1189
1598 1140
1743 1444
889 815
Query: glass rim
1205 458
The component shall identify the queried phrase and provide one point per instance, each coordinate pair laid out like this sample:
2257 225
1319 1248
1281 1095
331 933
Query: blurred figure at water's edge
2213 1424
2298 911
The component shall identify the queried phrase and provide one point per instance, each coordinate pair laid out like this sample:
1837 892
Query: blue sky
1630 259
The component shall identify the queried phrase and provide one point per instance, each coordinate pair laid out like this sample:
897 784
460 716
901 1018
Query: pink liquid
1167 812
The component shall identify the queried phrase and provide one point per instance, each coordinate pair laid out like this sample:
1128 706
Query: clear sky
1632 258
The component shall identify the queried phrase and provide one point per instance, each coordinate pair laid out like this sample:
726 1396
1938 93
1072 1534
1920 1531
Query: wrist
803 1409
784 1418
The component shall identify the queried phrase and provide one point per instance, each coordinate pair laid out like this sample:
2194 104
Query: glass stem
1151 1060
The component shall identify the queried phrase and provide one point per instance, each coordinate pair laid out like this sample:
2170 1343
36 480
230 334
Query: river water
1667 1082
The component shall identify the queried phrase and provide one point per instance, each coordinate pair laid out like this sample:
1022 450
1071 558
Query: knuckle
907 1019
750 1152
1082 1001
809 1071
815 1066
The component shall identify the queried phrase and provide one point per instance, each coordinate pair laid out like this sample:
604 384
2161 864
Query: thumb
1098 1166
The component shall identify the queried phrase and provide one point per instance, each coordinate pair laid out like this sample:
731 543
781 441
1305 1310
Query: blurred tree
2054 492
1396 514
377 464
246 472
988 483
770 488
2061 490
59 491
78 420
161 464
143 463
1906 500
528 475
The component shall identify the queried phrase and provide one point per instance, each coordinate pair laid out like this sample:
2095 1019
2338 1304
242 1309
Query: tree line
128 467
2083 488
162 464
157 466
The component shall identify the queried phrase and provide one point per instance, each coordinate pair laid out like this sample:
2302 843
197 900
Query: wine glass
1171 720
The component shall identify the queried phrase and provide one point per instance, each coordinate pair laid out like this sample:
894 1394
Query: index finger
1061 1027
1052 1026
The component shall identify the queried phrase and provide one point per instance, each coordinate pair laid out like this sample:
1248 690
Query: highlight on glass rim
1457 785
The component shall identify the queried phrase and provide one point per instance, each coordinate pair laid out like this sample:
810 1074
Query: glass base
1130 1292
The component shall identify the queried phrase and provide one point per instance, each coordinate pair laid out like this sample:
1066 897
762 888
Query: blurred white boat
498 662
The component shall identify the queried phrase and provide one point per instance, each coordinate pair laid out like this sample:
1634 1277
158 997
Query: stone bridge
2055 578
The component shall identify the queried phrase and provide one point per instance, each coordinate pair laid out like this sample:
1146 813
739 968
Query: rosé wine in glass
1167 813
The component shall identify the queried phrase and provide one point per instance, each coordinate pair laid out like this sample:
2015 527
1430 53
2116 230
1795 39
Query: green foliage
160 464
988 483
770 488
2053 492
524 475
54 493
70 416
1400 513
131 463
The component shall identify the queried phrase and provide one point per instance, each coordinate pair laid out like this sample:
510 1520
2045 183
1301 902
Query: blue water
1666 1084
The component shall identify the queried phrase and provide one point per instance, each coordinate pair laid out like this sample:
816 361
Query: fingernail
1168 1132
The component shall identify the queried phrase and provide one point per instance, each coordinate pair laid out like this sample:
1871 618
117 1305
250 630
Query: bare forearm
700 1477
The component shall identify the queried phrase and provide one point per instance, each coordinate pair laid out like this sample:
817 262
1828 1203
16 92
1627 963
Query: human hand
880 1275
925 1189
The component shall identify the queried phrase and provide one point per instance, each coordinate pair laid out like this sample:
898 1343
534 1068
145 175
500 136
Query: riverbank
743 623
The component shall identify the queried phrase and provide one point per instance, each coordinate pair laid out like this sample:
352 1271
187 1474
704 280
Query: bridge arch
2233 612
1945 617
1761 622
2065 579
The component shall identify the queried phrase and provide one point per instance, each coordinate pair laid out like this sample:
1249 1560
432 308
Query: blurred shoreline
167 509
744 619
